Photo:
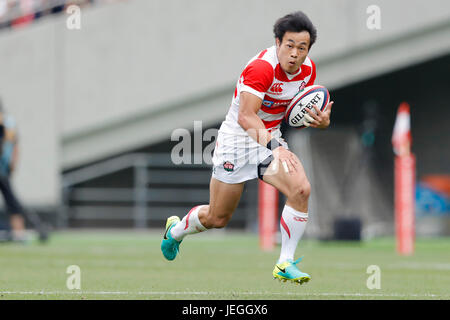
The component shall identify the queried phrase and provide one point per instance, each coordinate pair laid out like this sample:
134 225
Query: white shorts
236 159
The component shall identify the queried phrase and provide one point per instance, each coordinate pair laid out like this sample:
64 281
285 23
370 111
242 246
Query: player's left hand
320 120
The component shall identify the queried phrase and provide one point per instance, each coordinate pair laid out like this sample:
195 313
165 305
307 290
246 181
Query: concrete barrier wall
138 55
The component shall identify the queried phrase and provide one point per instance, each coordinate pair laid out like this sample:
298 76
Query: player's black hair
295 22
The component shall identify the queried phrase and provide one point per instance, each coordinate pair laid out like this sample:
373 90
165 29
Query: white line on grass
203 293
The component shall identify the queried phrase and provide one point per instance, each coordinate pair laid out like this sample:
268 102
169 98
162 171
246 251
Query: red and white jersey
264 77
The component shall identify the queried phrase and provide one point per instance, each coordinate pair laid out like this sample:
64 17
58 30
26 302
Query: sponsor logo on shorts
228 166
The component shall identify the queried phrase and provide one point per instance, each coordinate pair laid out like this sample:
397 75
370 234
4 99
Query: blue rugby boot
170 246
288 271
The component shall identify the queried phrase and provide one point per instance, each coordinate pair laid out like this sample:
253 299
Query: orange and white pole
267 215
404 203
404 176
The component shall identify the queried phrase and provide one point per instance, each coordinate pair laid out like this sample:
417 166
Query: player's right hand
286 160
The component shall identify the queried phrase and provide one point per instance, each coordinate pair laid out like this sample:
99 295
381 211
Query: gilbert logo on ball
306 99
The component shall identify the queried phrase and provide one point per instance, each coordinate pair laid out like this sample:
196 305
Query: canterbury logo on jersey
300 219
276 88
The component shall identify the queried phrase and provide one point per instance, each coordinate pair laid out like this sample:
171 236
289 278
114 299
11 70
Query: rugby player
249 144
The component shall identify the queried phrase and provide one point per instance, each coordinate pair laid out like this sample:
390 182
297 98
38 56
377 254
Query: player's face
292 50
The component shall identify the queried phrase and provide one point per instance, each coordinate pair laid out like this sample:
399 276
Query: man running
249 144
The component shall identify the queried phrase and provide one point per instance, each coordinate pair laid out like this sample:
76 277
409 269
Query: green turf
214 265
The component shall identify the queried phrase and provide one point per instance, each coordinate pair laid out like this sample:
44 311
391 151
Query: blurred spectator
41 8
26 9
20 13
8 161
4 22
57 6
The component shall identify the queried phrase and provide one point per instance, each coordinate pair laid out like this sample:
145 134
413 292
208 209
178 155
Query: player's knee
216 222
300 192
220 223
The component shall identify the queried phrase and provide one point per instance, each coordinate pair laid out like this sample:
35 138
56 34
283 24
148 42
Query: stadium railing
140 190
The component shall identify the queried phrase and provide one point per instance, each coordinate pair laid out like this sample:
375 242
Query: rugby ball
313 95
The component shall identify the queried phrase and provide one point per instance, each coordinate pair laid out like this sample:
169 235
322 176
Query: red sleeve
313 74
258 75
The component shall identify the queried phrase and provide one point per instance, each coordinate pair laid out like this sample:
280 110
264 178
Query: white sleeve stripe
308 62
253 91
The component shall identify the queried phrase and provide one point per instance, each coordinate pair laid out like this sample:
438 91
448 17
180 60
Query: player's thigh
224 198
288 183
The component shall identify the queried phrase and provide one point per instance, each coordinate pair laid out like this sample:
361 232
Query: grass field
217 265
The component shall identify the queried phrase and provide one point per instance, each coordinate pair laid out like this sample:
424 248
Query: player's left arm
319 119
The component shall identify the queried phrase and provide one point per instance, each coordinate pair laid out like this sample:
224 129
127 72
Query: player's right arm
249 120
255 81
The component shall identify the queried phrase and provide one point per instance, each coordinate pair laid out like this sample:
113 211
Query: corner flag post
267 215
404 177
